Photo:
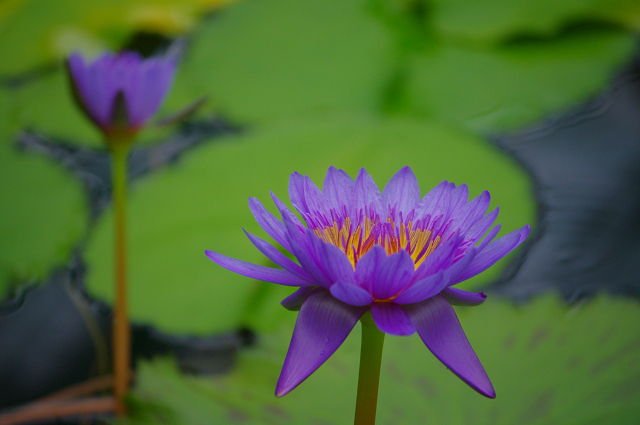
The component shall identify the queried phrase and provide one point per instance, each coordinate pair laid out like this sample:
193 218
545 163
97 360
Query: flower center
393 234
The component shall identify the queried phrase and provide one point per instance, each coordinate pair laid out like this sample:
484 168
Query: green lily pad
548 364
36 32
46 105
502 88
43 210
496 20
263 59
201 203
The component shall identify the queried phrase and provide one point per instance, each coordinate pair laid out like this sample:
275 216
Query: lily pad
549 364
201 203
46 105
36 32
502 88
497 20
263 59
43 210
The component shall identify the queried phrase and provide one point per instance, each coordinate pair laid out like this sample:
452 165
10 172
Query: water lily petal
350 293
439 259
494 252
440 330
457 268
296 193
254 271
294 301
459 198
423 289
338 189
481 226
489 237
366 267
269 223
277 257
390 318
285 210
316 202
469 214
322 326
402 191
304 253
457 296
428 202
365 192
333 260
391 275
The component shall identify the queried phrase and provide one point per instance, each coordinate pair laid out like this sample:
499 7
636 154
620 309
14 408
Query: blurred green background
314 83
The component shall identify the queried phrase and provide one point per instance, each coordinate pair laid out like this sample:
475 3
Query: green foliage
42 208
201 204
262 59
548 365
496 20
506 87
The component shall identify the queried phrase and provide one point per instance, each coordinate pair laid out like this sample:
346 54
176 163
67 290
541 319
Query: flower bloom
390 253
119 93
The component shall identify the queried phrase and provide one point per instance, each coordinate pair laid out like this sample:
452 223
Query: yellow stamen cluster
358 242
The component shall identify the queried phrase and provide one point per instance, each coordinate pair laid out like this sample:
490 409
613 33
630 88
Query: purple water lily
119 93
390 253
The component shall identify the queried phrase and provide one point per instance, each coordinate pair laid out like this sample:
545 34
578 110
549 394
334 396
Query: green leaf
201 204
502 88
267 59
496 20
43 209
36 32
548 363
47 106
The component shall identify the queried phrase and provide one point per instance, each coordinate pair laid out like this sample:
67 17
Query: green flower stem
370 360
121 328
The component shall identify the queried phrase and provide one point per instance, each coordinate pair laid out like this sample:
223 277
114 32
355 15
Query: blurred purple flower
119 93
390 253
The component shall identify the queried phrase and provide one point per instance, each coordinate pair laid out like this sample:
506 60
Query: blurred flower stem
121 328
369 375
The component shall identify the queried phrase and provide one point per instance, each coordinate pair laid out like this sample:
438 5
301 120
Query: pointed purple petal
494 252
296 193
423 289
429 201
314 198
277 257
366 266
459 198
366 193
457 296
402 191
338 189
489 237
322 326
481 226
350 293
304 253
390 318
333 260
294 301
391 275
254 271
457 268
269 223
440 330
285 210
440 258
467 215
